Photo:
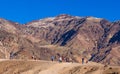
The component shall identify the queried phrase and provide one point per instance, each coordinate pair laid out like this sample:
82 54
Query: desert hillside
72 37
48 67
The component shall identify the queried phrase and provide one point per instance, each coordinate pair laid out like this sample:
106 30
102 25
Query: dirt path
57 68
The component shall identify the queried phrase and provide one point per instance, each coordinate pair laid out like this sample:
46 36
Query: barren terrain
48 67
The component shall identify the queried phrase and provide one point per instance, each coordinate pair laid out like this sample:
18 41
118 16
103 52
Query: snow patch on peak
94 19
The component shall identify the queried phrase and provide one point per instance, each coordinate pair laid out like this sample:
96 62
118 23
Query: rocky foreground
48 67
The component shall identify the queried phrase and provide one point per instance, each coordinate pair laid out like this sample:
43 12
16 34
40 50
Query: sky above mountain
24 11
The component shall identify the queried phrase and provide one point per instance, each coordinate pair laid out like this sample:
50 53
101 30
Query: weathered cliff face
109 45
95 39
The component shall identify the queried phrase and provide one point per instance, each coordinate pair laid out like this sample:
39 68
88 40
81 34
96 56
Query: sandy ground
48 67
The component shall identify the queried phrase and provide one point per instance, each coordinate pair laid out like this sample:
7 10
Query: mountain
73 37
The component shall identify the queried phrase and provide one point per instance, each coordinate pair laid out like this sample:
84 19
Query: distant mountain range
73 37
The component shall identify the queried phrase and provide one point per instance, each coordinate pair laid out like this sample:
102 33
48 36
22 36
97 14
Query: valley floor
48 67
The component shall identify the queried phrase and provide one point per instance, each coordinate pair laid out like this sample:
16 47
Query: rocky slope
95 39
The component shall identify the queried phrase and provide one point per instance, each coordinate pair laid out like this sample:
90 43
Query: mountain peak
63 16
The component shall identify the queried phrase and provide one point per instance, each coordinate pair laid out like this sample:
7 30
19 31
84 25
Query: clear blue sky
24 11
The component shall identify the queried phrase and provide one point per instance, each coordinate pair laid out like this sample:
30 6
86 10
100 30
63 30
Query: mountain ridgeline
74 37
